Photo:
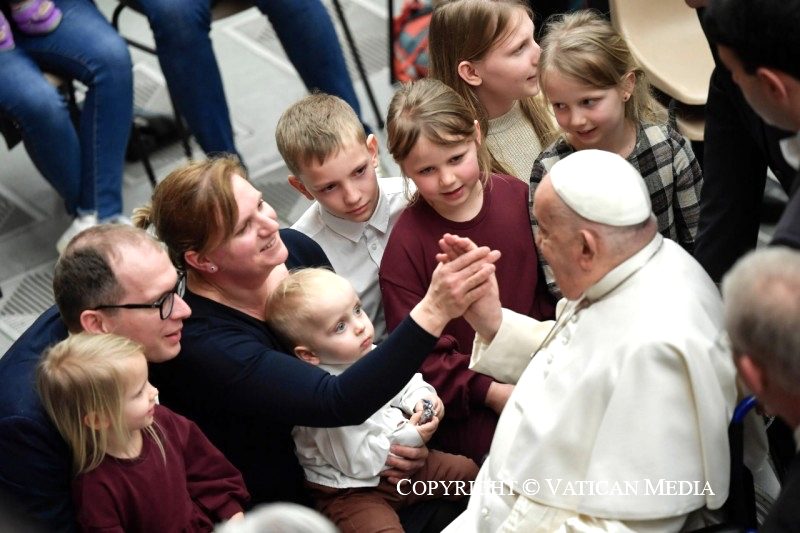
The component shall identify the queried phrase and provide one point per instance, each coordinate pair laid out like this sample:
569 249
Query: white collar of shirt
354 230
790 146
624 270
334 369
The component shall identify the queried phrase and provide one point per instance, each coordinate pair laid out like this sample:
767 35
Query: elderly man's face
558 241
147 274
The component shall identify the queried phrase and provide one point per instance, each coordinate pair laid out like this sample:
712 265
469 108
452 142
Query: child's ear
295 182
306 355
96 420
372 148
628 84
477 131
467 72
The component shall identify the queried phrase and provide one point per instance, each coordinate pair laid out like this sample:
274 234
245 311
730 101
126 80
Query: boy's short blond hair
290 307
314 128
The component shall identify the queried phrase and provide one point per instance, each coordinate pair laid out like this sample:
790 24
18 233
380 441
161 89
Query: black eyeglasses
163 304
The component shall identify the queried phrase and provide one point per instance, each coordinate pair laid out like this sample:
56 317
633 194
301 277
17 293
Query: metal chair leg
183 131
138 145
359 65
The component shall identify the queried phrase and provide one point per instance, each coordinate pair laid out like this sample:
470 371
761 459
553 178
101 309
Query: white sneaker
80 223
118 219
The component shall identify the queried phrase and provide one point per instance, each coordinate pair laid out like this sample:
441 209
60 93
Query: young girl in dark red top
139 466
438 144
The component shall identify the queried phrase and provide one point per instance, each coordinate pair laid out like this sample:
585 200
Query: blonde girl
601 99
485 51
139 466
436 139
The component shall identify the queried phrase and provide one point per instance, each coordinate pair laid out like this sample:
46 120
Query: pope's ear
589 247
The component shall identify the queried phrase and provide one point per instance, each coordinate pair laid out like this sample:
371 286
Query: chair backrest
667 40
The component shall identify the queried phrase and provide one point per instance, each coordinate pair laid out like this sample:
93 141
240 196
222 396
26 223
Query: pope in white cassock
619 418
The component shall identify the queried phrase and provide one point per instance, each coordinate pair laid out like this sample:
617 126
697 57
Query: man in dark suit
738 146
110 279
758 41
762 317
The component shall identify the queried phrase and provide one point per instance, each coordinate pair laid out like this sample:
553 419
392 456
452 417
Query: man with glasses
110 279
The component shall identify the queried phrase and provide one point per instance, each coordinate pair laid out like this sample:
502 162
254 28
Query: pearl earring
212 268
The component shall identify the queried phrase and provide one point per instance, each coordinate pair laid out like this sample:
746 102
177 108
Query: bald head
762 312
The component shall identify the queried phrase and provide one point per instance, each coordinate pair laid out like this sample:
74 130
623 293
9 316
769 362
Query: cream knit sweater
514 143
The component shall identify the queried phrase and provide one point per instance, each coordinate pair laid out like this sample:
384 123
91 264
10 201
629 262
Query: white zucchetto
602 187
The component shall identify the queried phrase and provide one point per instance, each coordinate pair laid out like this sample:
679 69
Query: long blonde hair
84 375
429 108
585 47
466 30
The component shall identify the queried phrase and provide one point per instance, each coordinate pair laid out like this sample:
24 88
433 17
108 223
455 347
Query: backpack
410 44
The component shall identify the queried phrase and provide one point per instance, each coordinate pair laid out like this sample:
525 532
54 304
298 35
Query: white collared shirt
355 249
790 147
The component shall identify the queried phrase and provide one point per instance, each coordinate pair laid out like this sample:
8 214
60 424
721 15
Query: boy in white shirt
320 315
333 162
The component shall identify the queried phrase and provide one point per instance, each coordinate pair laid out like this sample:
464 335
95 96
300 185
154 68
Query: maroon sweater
196 488
405 273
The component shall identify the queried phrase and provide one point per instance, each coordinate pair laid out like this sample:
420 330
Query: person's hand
403 462
438 406
485 314
497 396
427 429
237 516
453 246
454 287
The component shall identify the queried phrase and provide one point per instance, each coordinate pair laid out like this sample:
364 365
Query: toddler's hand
434 404
427 429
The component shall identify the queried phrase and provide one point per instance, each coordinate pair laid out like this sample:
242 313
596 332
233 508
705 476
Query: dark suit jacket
787 232
785 514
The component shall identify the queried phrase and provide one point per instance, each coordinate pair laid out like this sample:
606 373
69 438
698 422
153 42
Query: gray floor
260 83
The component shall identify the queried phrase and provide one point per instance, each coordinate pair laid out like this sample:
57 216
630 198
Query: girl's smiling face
590 117
447 177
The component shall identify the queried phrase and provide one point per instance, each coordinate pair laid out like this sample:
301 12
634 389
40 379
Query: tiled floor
260 82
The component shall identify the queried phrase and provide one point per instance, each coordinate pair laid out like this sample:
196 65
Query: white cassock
627 401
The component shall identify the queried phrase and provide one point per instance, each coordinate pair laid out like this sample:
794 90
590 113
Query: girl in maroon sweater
140 467
437 142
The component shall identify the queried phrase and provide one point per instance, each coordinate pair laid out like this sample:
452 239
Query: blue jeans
84 166
181 28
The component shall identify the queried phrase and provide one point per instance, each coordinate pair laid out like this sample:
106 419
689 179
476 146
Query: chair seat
666 39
